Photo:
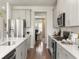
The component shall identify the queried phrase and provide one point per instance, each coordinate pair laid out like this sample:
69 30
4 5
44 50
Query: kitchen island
4 49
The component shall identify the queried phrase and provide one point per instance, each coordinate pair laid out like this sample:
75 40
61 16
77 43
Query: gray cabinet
63 54
59 52
22 14
68 55
29 42
18 14
78 11
70 7
55 17
21 51
58 9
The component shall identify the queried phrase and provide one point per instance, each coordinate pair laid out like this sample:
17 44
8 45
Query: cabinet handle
66 55
58 56
21 53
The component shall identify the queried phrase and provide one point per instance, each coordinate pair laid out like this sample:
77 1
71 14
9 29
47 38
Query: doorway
40 26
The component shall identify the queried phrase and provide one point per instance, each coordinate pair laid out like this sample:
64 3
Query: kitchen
17 27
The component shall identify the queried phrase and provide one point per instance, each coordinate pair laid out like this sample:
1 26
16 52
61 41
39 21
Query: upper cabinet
60 5
55 17
19 14
70 9
22 14
78 10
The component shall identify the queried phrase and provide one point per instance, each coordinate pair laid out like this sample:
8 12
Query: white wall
49 20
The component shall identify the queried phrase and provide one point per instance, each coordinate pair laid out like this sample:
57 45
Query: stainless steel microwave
61 20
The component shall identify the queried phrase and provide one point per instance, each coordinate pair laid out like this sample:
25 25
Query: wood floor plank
32 54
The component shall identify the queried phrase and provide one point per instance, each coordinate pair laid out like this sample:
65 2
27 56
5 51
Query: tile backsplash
74 29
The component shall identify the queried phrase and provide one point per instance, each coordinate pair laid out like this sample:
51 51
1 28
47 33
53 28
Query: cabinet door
58 52
63 54
19 52
78 11
28 42
26 48
58 7
19 14
55 17
68 55
28 17
23 50
70 7
68 12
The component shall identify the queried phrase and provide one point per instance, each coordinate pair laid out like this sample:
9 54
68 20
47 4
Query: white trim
48 10
36 8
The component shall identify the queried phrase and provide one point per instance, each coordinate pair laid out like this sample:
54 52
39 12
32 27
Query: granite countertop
72 49
4 50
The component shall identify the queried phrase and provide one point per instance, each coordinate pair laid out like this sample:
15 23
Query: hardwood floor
32 54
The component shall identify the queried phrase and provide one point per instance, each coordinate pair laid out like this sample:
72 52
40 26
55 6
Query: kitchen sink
67 43
9 43
58 38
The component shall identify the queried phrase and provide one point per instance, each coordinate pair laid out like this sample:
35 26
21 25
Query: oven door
54 47
11 55
60 22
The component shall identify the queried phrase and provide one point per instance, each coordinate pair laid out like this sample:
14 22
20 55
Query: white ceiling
30 2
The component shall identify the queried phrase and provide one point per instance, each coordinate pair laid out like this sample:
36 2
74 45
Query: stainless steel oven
54 47
11 55
61 20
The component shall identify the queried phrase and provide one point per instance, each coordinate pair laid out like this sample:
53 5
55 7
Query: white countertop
4 50
72 49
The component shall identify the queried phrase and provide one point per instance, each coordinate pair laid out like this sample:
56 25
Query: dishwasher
10 55
52 47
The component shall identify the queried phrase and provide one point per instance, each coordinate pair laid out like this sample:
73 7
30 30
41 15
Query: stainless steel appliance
11 55
54 47
66 34
61 20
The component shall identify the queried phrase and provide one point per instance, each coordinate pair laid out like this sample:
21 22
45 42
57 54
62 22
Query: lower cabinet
21 52
63 54
59 52
28 42
68 55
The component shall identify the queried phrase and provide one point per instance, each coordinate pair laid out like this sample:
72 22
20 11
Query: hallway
32 54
